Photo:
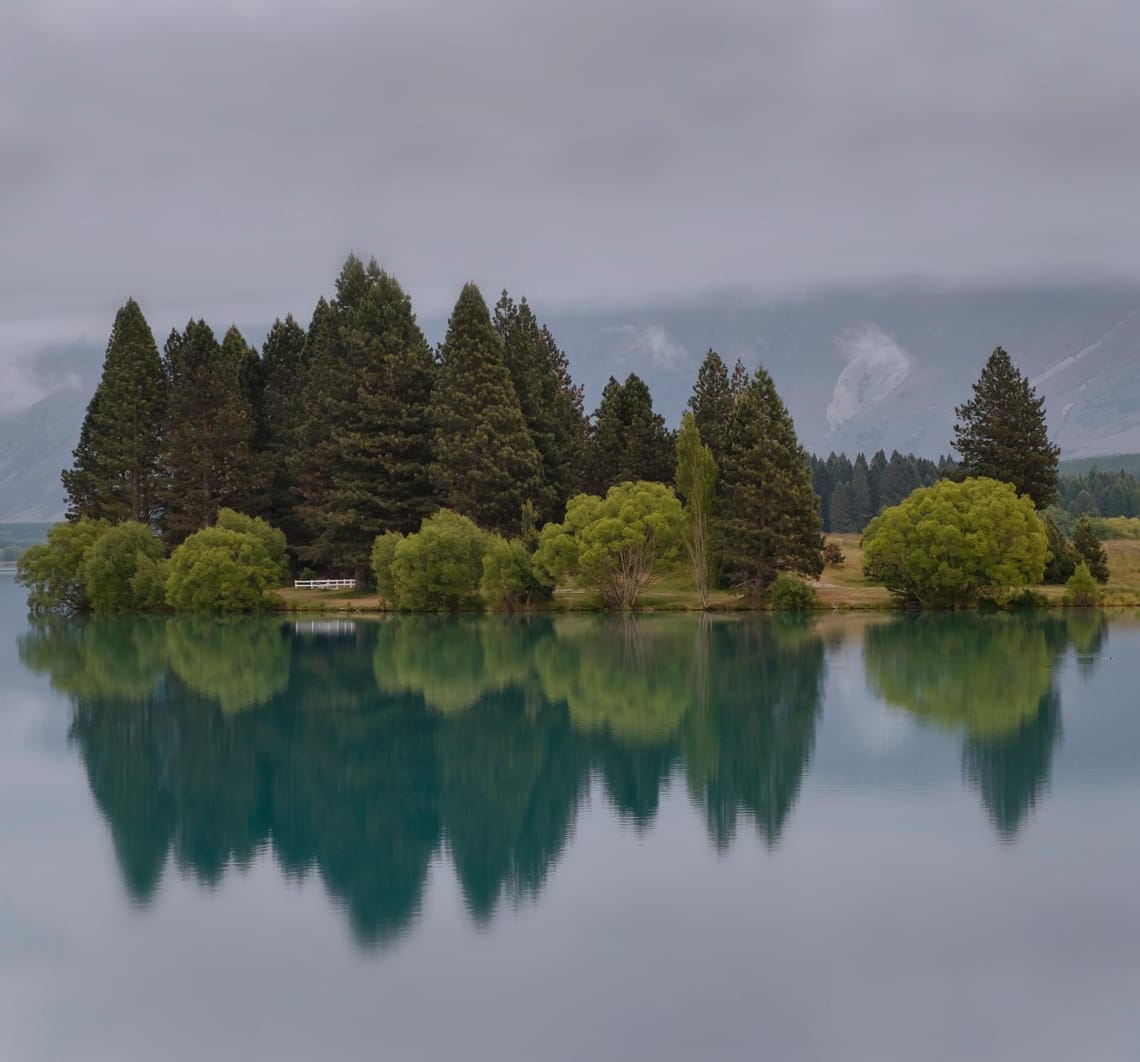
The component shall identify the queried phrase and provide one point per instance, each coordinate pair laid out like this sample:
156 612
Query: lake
569 838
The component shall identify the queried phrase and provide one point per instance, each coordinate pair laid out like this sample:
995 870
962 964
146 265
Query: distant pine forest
852 493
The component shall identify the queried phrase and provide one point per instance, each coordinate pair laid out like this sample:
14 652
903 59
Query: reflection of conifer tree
748 748
634 775
1012 770
122 749
490 761
984 675
1088 631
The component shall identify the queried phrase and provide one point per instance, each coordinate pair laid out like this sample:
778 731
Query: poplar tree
628 441
696 485
551 404
366 470
770 515
114 475
486 464
712 401
206 461
1001 432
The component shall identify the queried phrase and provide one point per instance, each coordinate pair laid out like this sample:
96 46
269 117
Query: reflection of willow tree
1010 771
991 677
623 675
451 661
1088 631
239 661
982 675
103 656
750 738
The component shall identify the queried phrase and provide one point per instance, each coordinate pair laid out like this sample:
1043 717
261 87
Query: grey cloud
222 157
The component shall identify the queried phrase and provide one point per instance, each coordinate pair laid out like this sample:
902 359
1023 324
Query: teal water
571 838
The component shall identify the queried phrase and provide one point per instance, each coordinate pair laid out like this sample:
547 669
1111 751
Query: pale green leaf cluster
615 544
219 570
945 544
510 579
440 567
124 570
270 536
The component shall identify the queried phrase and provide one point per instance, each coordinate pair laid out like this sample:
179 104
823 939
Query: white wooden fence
324 584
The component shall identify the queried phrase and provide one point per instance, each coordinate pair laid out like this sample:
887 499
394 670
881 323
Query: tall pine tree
628 440
551 404
486 463
368 440
712 401
280 418
771 519
115 471
206 461
1001 432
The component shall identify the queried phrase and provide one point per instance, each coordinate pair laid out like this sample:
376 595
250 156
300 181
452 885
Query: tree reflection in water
364 752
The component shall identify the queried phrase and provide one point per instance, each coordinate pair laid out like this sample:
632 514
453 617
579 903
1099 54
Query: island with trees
469 476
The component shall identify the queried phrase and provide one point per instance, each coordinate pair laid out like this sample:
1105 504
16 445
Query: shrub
383 553
271 538
441 566
944 545
1081 591
53 572
833 554
218 570
615 544
791 594
510 580
1090 549
1026 598
124 570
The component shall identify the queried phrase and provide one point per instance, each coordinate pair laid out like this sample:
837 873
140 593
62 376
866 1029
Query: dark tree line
852 493
1097 493
353 427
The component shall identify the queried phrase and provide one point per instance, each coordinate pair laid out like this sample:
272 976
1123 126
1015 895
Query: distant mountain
859 369
35 445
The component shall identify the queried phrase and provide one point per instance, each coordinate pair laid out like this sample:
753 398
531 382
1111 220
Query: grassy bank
841 587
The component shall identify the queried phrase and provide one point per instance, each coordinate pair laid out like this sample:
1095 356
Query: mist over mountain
860 369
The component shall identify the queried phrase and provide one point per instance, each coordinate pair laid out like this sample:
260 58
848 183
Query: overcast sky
222 156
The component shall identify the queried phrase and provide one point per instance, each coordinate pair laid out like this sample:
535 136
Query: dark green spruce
115 471
551 403
628 441
771 518
486 464
207 462
367 466
712 401
1001 432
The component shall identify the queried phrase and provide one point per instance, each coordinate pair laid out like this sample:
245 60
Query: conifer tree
280 416
840 510
115 471
486 464
696 485
861 506
739 380
898 481
1090 549
771 518
206 459
368 439
1001 432
628 441
551 404
712 401
876 473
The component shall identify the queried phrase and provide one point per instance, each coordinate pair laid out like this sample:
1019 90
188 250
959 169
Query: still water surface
574 838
